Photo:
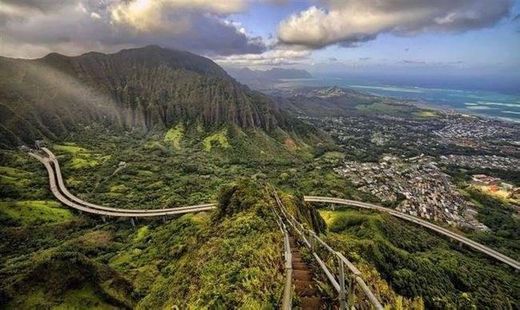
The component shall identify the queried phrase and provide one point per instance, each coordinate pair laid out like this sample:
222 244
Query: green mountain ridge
144 88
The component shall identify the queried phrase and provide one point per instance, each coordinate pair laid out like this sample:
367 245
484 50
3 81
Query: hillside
145 88
337 101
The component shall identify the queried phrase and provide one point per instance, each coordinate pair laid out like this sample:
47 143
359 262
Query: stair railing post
312 241
351 292
341 278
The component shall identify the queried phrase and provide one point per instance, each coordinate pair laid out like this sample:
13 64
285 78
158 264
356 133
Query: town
415 186
421 166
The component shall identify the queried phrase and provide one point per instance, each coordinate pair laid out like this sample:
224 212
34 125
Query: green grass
217 260
381 107
14 177
217 139
34 212
119 189
502 220
417 263
426 114
174 136
81 158
13 172
65 278
75 299
141 233
83 298
70 148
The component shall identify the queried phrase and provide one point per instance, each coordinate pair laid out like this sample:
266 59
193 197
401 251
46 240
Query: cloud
167 15
431 63
40 5
351 22
413 62
32 28
276 57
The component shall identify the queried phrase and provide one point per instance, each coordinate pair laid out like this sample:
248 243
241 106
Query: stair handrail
287 292
311 240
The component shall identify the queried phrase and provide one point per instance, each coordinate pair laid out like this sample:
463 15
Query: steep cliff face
147 88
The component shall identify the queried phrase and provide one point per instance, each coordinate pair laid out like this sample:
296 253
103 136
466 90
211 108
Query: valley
179 132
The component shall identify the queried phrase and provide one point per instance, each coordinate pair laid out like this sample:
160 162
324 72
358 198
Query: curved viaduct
61 193
443 231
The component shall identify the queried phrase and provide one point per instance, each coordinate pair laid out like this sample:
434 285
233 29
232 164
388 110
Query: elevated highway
56 184
443 231
61 193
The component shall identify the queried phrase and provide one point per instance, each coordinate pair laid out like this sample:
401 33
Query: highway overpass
443 231
61 193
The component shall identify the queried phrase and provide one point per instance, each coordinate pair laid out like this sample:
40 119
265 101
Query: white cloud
276 57
95 15
156 15
349 22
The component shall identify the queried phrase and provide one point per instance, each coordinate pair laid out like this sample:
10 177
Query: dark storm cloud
85 25
350 22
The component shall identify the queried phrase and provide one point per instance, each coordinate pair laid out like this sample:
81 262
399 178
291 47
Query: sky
455 37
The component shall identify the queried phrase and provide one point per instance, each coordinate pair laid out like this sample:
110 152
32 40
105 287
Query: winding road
443 231
64 196
61 193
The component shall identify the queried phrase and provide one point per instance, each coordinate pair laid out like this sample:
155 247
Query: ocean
484 103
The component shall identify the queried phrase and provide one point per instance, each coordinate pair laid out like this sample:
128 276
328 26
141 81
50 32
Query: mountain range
143 88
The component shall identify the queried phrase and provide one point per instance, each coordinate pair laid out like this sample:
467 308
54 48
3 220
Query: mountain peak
149 87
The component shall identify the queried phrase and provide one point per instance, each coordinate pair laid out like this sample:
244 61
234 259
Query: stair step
302 275
310 303
304 285
305 290
299 266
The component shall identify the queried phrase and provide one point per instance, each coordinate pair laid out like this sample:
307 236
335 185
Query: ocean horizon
484 103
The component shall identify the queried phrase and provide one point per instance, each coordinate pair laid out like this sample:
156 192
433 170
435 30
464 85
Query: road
443 231
67 198
70 196
111 212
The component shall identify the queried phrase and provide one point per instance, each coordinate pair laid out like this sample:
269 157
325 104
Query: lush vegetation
418 264
238 246
80 261
502 220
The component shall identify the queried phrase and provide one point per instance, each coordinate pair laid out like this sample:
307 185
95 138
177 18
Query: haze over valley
165 154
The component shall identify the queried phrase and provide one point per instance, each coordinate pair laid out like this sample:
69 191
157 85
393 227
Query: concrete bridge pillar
132 221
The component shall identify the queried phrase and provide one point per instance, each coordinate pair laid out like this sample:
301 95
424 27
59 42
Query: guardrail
287 293
443 231
336 274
